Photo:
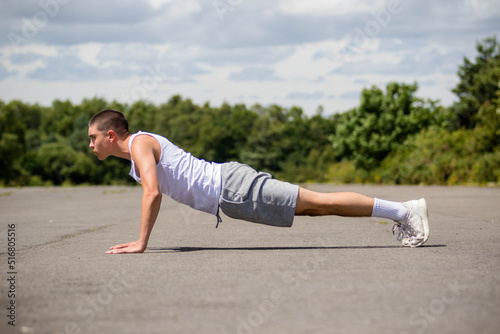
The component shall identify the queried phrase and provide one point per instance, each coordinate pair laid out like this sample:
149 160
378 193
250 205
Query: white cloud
128 54
409 62
66 67
281 51
157 4
317 95
4 73
254 73
351 95
327 7
23 58
361 81
183 9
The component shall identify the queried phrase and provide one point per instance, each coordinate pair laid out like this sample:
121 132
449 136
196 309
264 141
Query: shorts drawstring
219 219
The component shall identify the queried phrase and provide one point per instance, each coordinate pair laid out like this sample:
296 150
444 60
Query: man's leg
348 204
412 219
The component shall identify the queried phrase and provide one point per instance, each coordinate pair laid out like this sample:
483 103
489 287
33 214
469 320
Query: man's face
99 142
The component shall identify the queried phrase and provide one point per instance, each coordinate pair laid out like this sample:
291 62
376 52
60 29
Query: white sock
389 210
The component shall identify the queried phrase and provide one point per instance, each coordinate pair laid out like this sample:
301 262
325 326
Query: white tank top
183 177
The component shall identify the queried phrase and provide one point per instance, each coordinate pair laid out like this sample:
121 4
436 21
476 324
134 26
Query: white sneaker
413 231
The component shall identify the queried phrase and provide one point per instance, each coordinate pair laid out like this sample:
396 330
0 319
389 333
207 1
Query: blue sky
295 52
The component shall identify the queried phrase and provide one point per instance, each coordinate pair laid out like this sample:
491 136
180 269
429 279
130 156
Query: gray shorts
256 197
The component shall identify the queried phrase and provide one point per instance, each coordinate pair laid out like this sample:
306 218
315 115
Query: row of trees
393 136
398 138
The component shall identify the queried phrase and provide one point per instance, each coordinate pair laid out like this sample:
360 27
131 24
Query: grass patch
111 192
381 222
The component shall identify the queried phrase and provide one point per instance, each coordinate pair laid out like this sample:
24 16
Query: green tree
60 118
267 144
12 141
367 134
470 153
222 132
289 144
478 85
141 116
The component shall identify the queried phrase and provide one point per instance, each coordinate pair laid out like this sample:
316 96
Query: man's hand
131 247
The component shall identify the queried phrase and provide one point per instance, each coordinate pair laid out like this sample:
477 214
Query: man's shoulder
144 139
145 136
145 142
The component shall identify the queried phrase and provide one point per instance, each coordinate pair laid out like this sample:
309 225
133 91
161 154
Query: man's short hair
110 119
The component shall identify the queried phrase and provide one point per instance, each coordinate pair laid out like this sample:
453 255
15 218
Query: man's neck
123 148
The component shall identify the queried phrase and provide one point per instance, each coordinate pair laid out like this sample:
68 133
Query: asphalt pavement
322 275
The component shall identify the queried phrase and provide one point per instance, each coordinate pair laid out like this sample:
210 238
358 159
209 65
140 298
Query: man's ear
111 136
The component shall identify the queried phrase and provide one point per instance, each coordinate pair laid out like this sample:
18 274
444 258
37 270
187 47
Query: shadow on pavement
197 249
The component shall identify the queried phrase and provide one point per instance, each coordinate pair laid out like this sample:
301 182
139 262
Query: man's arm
145 153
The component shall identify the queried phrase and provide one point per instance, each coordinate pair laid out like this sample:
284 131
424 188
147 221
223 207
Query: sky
287 52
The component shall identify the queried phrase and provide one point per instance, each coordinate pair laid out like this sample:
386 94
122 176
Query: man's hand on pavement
131 247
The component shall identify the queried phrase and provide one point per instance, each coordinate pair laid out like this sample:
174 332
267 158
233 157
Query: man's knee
309 203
